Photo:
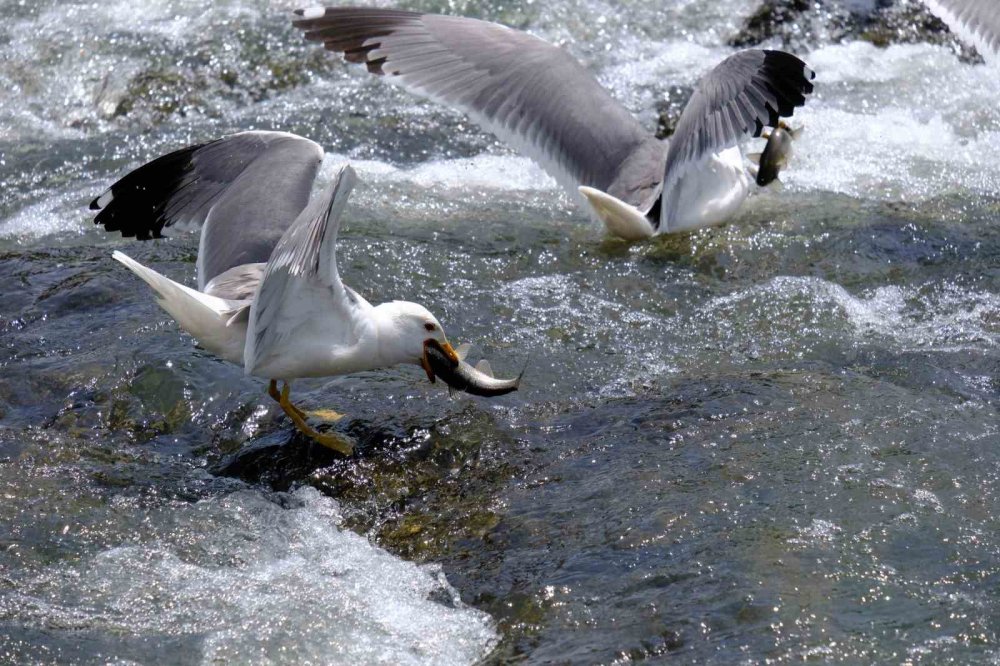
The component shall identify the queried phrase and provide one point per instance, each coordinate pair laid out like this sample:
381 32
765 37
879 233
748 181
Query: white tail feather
204 317
620 219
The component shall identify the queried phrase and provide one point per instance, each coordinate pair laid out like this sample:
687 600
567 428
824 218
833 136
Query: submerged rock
803 24
198 78
669 108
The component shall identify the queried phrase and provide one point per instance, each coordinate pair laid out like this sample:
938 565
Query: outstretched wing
975 21
744 92
245 189
301 282
529 93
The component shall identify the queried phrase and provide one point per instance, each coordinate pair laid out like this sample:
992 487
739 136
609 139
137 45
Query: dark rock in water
778 19
668 109
199 79
276 461
798 25
279 461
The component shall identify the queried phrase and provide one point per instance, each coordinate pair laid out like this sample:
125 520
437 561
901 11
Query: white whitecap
254 580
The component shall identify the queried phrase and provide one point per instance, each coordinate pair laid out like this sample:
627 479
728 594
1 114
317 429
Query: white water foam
907 122
58 214
936 316
460 176
264 584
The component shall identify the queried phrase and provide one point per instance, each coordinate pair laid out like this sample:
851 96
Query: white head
405 329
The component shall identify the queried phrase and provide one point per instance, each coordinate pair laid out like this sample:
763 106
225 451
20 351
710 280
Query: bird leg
335 442
272 390
328 415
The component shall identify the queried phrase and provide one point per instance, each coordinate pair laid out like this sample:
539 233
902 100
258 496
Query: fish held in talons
777 153
461 376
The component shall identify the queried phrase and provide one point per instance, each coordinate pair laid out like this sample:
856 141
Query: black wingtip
299 12
138 205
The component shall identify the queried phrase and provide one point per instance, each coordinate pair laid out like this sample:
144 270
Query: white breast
711 193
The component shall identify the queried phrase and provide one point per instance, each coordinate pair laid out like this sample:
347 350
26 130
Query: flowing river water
773 440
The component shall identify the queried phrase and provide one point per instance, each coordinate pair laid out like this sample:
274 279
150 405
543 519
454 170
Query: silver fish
461 376
777 152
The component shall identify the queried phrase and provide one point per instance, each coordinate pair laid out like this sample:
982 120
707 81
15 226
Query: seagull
541 101
975 21
269 294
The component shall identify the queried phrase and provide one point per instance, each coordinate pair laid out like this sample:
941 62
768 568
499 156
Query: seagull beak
445 347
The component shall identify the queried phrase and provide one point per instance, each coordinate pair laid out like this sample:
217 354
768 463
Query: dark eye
430 327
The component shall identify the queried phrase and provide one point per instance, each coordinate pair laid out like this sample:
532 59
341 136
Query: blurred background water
774 440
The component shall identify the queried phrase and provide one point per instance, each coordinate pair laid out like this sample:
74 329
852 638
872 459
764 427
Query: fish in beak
445 348
777 153
476 380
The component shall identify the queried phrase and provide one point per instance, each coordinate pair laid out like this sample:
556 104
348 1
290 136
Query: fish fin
463 350
797 131
517 383
777 184
484 367
765 135
754 157
753 171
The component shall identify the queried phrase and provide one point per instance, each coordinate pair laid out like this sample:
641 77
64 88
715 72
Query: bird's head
413 328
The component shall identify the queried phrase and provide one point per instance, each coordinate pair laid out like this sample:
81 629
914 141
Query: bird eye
430 327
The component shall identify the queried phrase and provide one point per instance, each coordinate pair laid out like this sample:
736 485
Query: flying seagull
975 21
269 295
540 100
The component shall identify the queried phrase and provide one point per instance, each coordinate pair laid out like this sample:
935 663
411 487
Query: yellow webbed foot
328 415
331 441
334 442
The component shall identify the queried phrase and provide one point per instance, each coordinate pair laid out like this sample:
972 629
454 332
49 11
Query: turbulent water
774 440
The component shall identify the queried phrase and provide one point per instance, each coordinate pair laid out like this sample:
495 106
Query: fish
461 376
777 152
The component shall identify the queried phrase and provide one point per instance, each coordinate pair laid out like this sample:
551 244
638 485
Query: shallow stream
774 440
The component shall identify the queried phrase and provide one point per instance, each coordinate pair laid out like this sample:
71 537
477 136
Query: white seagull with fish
545 104
269 295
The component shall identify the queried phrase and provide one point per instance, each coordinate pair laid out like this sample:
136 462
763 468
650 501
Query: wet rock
798 25
276 461
201 79
669 108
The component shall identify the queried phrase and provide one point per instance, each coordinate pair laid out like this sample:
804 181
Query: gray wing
239 283
976 21
301 282
528 92
744 92
244 189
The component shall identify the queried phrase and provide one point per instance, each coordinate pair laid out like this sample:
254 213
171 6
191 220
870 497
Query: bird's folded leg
328 415
272 390
331 441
